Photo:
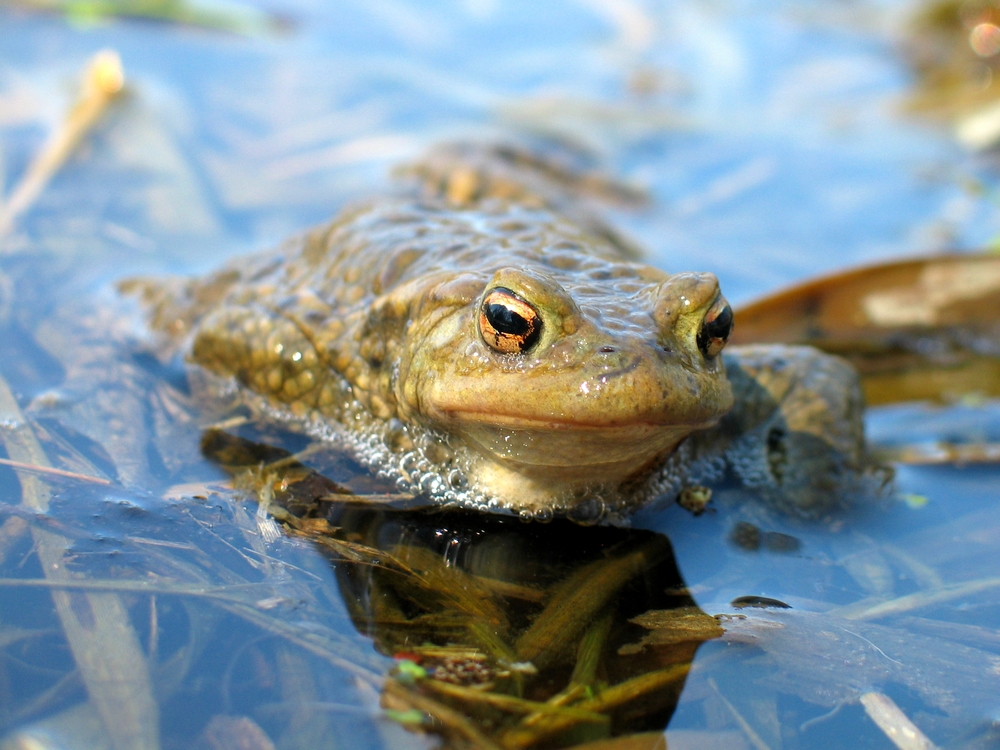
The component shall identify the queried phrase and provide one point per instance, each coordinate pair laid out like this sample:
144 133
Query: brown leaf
924 328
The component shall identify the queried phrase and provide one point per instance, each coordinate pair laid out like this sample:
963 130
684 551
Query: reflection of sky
767 132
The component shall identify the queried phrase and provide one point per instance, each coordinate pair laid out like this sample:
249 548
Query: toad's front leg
795 433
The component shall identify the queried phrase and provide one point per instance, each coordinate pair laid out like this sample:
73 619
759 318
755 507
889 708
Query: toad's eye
507 323
715 328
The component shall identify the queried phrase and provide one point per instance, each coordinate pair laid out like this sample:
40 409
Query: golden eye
507 323
715 328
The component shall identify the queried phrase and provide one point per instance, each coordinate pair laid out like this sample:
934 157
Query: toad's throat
544 484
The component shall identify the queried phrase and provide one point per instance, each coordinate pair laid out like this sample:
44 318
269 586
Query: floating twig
53 471
103 81
896 725
224 592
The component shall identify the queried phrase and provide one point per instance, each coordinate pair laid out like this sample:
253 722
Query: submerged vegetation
492 632
231 17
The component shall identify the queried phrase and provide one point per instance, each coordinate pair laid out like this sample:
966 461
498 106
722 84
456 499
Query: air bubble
544 515
457 479
430 484
587 512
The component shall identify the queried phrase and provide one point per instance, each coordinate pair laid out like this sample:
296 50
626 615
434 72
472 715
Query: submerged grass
575 602
96 624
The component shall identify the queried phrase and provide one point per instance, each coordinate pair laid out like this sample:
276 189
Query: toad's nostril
607 350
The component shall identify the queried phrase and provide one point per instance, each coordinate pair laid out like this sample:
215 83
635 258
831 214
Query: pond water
773 141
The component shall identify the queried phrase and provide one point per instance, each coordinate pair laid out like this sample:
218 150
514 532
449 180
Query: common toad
486 341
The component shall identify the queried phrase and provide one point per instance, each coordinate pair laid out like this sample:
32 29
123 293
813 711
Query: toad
484 340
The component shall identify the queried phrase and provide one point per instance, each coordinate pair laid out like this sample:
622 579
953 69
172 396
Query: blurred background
775 139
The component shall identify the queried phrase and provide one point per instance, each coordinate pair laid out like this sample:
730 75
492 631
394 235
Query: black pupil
506 320
722 325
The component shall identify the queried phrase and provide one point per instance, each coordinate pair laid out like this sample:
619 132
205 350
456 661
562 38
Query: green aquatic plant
234 18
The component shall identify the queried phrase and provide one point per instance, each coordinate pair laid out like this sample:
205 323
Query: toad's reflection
506 634
515 635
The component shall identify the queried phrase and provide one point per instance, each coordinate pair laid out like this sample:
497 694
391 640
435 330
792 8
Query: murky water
772 140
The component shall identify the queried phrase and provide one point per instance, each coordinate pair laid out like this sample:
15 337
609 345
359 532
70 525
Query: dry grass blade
97 626
224 593
896 725
10 635
52 471
925 575
103 81
917 600
941 453
975 636
863 304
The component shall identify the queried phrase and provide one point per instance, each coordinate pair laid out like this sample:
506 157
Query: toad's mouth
562 423
640 397
543 443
